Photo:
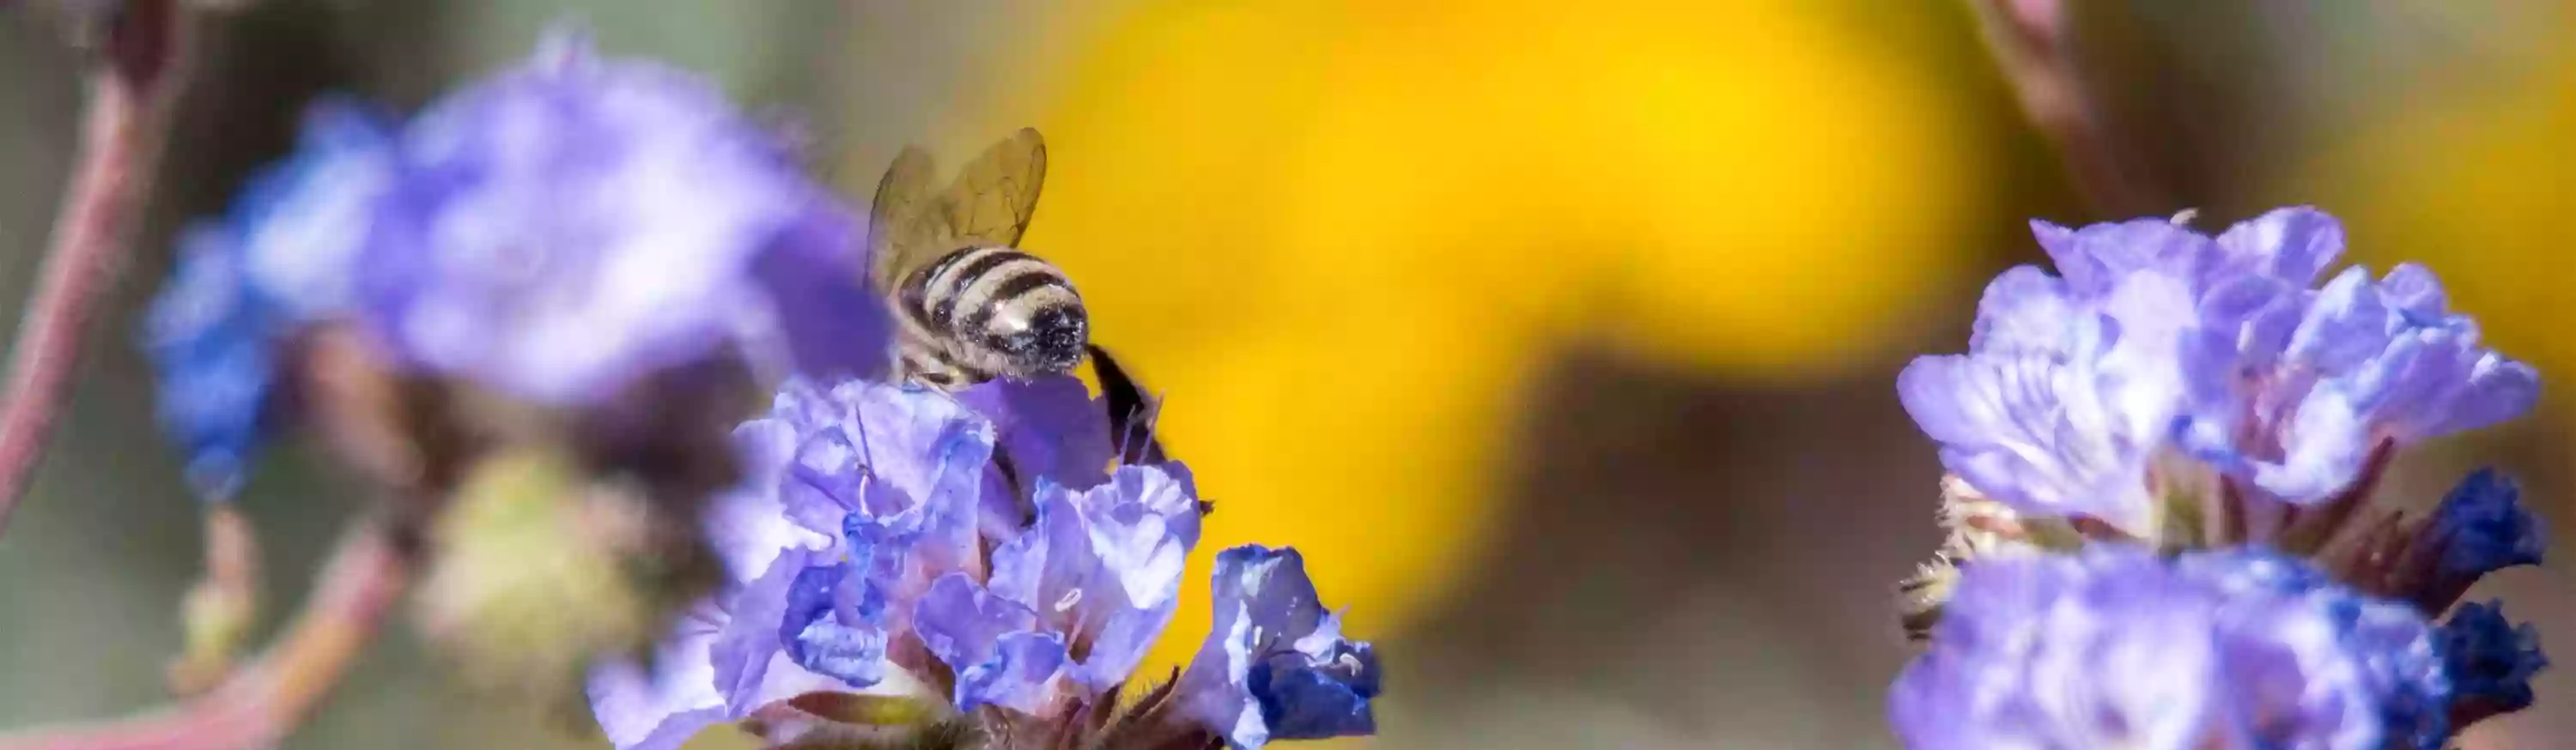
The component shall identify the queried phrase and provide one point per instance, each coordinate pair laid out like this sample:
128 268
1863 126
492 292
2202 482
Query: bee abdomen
999 309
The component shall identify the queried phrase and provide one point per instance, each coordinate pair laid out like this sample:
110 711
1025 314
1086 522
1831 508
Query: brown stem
2030 41
126 120
260 703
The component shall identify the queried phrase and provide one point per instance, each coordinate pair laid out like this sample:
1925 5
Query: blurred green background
1561 337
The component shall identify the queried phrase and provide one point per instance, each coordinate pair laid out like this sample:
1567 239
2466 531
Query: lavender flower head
2172 394
868 555
279 260
2119 647
2162 355
567 227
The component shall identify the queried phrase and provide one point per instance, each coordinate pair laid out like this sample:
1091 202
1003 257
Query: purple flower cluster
2116 646
857 549
2178 392
568 227
556 234
2160 342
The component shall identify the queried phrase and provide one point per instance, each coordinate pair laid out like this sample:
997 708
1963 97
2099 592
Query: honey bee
970 305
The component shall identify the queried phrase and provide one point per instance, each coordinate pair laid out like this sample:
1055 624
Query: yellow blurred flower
1341 237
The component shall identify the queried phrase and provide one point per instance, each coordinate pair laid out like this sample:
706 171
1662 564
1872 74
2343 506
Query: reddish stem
259 704
2030 41
126 119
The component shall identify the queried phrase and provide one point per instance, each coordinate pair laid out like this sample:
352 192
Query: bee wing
994 196
903 222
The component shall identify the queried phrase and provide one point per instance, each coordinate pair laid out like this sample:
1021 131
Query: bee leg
1131 414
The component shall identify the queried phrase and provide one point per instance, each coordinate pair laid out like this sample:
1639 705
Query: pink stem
259 704
2030 41
127 117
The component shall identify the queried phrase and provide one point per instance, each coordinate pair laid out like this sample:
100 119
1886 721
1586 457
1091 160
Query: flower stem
2031 41
259 704
123 127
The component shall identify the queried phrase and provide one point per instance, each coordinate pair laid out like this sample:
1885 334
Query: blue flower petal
1275 665
1022 675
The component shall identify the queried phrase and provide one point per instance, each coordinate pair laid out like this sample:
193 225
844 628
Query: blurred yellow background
1343 236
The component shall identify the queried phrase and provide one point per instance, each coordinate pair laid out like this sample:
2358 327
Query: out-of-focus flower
664 705
862 562
2160 343
2120 647
566 228
246 283
1275 665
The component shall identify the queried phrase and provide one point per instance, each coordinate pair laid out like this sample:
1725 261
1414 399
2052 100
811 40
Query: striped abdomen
982 312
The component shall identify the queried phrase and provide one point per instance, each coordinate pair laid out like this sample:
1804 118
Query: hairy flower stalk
2168 392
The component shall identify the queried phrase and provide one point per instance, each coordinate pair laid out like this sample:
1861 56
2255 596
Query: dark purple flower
2491 661
2481 527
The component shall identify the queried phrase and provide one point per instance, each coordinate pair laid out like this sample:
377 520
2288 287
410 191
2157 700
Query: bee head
1051 342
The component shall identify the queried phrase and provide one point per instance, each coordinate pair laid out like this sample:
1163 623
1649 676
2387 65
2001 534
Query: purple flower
244 284
1050 430
662 706
866 493
2160 343
721 662
1275 665
858 551
2065 399
2115 646
1099 571
567 228
992 643
2369 362
2491 661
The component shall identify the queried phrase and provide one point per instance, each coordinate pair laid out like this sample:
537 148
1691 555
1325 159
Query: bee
970 305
